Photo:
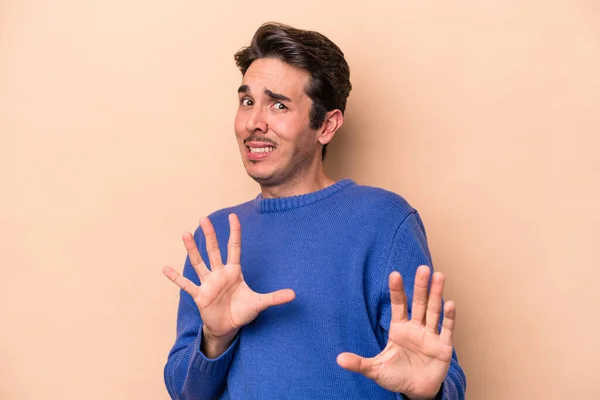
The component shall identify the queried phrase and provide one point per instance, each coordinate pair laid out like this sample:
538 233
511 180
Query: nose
257 122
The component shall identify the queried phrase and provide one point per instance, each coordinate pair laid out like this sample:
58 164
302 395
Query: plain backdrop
116 128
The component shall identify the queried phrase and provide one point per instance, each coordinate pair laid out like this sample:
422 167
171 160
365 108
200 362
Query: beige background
116 122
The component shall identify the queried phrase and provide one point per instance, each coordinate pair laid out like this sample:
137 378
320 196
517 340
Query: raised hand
224 300
416 358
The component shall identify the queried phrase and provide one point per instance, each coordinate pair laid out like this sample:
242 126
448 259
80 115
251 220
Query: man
321 280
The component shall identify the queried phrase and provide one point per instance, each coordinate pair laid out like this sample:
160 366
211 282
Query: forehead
277 76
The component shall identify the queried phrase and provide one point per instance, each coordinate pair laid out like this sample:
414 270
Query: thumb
356 363
276 298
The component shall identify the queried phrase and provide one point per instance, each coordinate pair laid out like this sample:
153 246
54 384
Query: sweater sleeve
188 373
409 250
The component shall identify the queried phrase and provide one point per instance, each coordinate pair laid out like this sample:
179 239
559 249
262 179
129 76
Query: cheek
286 129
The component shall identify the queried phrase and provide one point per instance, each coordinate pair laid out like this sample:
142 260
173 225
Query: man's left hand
416 359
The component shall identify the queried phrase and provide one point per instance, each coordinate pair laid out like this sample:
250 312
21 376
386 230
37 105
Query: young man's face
272 123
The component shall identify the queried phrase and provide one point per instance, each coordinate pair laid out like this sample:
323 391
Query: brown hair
329 84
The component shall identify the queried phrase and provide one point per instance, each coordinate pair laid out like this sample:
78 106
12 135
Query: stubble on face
264 119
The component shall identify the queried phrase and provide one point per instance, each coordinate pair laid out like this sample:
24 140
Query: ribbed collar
288 203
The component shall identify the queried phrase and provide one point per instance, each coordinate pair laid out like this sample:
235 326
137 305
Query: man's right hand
225 301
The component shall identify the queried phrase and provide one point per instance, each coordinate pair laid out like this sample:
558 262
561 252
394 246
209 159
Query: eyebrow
276 96
270 93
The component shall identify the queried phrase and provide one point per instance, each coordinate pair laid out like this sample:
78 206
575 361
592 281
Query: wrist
213 346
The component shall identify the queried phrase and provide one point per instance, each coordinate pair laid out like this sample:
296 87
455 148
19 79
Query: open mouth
255 152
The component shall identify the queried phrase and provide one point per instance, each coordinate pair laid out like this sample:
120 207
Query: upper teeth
261 149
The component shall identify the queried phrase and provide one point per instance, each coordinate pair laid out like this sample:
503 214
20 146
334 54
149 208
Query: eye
279 106
246 102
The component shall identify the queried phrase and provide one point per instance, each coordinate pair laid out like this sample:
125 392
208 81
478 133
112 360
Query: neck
299 184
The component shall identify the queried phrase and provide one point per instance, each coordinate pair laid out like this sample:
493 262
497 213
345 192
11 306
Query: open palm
225 301
416 358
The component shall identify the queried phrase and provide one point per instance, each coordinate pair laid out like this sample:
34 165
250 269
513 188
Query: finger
212 245
194 256
448 324
419 304
434 306
398 298
355 363
184 283
275 298
234 247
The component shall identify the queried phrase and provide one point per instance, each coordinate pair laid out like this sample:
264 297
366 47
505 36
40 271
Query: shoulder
379 201
220 219
376 211
240 210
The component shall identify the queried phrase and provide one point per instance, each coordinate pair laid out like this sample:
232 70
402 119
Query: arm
215 303
419 360
189 373
410 250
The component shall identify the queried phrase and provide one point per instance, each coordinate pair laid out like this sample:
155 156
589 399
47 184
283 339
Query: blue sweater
335 248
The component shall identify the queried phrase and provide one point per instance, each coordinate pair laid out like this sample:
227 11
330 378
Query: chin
258 173
263 179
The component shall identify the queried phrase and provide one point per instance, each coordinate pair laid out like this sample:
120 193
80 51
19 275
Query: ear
333 121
